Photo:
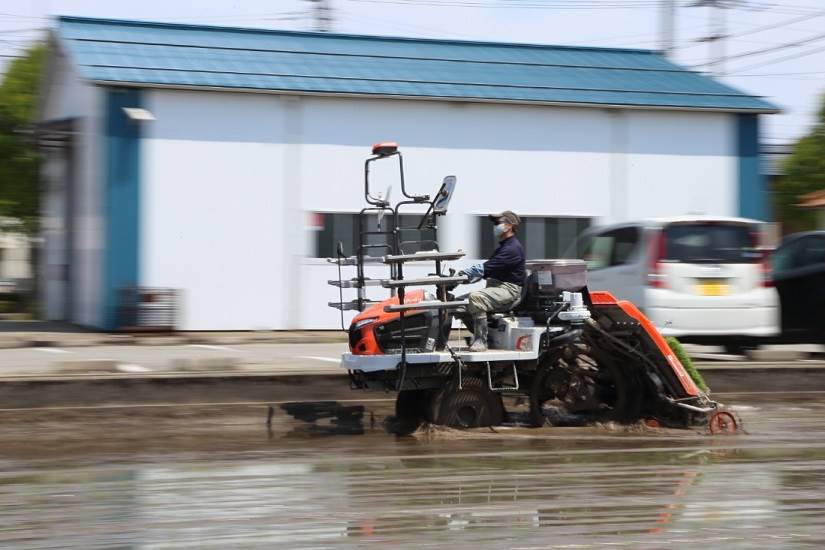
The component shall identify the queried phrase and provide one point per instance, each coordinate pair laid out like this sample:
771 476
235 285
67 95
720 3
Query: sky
774 48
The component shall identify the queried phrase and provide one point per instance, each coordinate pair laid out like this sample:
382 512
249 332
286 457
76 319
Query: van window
626 240
609 249
710 243
597 251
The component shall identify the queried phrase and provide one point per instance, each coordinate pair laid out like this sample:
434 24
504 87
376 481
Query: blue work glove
475 273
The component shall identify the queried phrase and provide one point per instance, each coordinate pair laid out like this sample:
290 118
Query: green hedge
683 358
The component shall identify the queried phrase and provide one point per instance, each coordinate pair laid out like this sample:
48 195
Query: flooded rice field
328 475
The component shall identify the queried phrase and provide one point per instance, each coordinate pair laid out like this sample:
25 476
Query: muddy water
328 476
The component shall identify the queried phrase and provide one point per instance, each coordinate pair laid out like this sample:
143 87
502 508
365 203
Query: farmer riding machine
566 350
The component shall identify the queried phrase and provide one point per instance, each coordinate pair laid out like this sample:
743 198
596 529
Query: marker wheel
722 423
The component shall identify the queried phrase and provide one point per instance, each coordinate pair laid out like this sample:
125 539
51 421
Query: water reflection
258 499
460 490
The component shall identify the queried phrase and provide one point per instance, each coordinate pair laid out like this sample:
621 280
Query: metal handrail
396 256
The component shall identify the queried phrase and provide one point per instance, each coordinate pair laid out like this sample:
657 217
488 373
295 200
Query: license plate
712 287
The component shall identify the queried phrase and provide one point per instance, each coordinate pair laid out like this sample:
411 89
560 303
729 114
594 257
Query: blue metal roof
163 54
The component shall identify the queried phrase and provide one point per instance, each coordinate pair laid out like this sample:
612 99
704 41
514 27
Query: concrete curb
218 374
69 340
775 355
87 366
207 364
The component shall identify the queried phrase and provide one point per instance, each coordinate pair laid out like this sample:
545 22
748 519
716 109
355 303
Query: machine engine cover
552 277
547 281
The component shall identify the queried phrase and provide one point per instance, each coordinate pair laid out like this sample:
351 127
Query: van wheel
472 406
738 348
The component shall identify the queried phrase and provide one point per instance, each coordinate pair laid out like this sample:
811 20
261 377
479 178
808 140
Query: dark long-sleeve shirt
507 262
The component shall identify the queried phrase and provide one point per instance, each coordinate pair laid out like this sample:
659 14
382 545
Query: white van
702 279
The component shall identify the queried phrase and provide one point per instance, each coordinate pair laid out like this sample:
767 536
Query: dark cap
507 216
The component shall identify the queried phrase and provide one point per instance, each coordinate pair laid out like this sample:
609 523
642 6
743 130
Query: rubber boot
479 334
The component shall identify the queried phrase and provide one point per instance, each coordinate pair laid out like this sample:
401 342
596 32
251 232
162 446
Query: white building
194 157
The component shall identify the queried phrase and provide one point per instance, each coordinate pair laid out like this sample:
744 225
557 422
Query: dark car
798 269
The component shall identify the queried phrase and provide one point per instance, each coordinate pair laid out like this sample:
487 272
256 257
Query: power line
14 31
410 27
777 25
506 3
443 32
17 16
790 9
718 31
781 59
20 43
255 16
773 49
716 38
687 46
521 4
801 73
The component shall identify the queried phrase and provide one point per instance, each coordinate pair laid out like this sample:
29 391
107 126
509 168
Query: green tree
19 161
804 173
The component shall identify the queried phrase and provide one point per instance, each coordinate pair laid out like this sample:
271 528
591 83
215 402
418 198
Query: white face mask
499 230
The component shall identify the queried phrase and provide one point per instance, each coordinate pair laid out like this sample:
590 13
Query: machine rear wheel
472 406
582 383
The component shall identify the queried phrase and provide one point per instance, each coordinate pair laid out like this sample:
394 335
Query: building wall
681 163
68 96
228 180
533 160
213 205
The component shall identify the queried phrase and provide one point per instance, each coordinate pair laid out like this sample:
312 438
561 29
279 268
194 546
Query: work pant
496 295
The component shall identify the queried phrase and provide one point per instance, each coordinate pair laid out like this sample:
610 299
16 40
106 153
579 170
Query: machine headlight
365 322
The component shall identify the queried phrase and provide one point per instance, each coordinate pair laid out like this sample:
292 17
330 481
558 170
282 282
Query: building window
330 228
542 238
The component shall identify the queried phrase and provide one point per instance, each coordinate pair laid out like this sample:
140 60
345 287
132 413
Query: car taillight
764 266
765 272
655 277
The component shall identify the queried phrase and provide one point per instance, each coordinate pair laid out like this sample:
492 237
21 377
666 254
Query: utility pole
718 32
323 15
667 26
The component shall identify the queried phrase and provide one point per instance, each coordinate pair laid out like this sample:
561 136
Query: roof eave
118 83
